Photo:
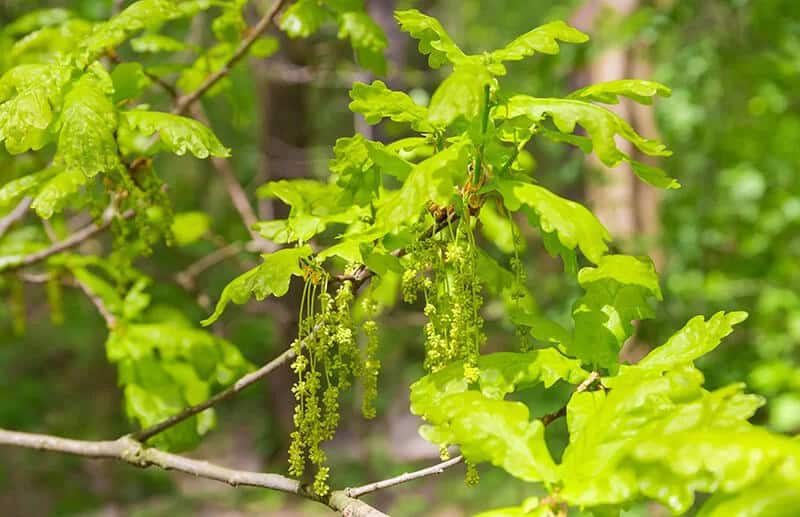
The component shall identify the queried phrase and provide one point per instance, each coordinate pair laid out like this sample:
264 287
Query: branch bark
247 380
70 242
15 215
403 478
130 451
263 24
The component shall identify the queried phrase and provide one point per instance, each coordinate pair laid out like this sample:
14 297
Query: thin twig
263 24
73 240
130 451
111 320
15 215
188 277
232 390
235 191
549 418
403 478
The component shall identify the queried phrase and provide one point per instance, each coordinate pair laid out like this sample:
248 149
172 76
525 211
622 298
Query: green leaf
28 95
431 180
617 292
189 227
771 497
303 18
367 39
608 92
140 15
314 205
434 42
500 373
461 94
497 431
86 140
37 19
571 223
272 277
375 101
264 47
129 81
486 427
694 340
155 43
542 39
55 193
177 134
167 366
542 328
14 190
611 433
601 125
648 434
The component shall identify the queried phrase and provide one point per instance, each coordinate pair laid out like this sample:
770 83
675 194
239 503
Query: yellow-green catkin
472 476
327 360
372 365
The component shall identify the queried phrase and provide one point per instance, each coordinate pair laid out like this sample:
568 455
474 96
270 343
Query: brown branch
130 451
70 242
188 277
403 478
235 191
111 320
549 418
232 390
263 24
15 215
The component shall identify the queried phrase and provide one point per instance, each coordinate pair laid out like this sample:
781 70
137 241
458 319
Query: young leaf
542 39
431 180
86 141
375 101
303 18
139 15
367 39
28 94
55 193
272 277
608 92
500 373
498 431
463 93
694 340
601 125
177 134
154 43
434 42
572 224
14 190
617 292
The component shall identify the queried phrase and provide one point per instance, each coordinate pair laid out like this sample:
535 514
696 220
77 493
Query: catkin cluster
327 361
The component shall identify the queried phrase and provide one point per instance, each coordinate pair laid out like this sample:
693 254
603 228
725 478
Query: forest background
729 239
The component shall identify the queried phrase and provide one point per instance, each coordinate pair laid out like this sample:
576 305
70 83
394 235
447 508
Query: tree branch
549 418
263 24
73 240
15 215
188 277
130 451
403 478
232 390
111 320
235 191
